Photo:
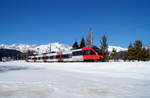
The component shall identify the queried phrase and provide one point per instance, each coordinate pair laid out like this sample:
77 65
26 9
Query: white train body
84 54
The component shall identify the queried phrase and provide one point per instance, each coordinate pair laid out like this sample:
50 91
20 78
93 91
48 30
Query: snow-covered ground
75 80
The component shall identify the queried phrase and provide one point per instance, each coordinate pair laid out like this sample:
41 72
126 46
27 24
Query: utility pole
89 38
50 47
38 51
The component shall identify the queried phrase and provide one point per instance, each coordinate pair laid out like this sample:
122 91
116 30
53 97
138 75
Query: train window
65 56
58 56
88 52
99 51
76 53
92 52
34 58
45 57
29 57
51 57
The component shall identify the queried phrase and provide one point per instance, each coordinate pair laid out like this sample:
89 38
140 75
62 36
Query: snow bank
74 80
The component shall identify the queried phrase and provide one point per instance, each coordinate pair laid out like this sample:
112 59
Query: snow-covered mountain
117 48
46 48
148 47
38 48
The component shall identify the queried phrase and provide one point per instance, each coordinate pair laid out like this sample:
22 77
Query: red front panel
60 60
90 57
59 53
101 57
89 49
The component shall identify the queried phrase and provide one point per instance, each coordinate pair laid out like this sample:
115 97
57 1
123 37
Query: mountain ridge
37 48
46 47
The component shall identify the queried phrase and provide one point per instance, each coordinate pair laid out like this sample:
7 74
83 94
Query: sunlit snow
75 80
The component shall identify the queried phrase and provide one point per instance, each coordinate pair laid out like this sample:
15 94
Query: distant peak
118 49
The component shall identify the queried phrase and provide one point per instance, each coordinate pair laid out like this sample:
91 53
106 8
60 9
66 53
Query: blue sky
66 21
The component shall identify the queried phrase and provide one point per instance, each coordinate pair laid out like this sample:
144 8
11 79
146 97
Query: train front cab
89 54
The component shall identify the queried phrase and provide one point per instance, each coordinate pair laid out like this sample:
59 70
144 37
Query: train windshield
97 49
29 57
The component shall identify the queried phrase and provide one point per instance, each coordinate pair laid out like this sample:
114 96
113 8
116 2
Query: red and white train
84 54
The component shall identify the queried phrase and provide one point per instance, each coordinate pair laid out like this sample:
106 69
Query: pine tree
82 43
148 52
131 52
114 55
144 55
138 50
138 44
26 54
75 45
130 46
104 47
30 53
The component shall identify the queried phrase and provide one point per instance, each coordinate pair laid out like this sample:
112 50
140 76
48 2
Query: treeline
78 46
135 50
9 54
25 55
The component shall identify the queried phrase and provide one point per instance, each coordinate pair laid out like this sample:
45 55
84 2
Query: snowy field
75 80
